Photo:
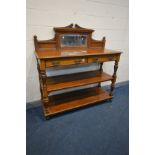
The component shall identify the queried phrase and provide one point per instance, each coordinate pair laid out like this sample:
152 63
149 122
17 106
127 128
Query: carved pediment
73 28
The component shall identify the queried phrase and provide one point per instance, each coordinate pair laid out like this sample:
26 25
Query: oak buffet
73 45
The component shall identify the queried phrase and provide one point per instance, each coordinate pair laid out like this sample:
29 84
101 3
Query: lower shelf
76 99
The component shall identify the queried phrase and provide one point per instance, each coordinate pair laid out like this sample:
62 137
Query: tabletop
53 53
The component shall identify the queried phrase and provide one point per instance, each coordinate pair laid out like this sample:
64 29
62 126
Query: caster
47 117
109 100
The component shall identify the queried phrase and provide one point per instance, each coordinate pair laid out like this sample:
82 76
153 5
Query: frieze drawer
68 61
99 59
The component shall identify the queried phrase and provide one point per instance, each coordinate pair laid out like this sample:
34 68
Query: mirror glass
73 40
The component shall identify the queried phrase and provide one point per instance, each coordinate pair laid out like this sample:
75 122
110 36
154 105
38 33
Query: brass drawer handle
110 58
78 61
95 59
55 63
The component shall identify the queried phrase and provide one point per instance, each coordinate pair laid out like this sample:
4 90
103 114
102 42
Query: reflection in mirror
73 40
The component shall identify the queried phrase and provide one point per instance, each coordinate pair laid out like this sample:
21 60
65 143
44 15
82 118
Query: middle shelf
77 79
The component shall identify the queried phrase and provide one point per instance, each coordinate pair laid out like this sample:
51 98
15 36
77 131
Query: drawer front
96 59
63 62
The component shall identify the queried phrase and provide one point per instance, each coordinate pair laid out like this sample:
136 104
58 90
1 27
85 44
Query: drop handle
95 59
78 61
110 58
55 63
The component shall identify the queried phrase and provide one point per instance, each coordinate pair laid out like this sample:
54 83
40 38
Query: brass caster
47 117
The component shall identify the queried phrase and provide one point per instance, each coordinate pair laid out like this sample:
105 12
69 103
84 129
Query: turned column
43 78
40 81
114 78
100 69
101 64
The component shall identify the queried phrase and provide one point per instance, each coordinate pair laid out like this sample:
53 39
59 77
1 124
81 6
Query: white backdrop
107 17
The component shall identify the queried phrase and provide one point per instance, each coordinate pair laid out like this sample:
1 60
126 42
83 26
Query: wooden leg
45 97
101 65
40 81
40 85
47 112
41 92
100 69
114 78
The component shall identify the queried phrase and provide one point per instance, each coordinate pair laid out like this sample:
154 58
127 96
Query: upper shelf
76 79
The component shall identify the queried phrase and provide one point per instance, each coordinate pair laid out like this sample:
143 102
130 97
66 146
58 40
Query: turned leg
40 81
114 78
45 97
101 64
100 69
43 77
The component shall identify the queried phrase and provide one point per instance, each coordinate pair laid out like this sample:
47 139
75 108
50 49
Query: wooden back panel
44 44
55 42
97 43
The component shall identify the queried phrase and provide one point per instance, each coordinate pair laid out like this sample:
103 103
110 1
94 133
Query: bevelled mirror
73 40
